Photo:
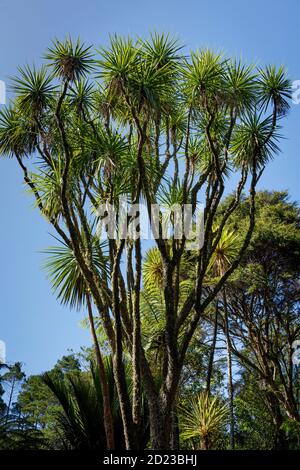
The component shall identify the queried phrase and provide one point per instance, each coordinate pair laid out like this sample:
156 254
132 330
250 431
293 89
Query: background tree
36 403
263 309
12 380
2 403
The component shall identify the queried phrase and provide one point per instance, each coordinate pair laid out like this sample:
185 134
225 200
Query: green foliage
204 77
204 419
69 60
274 87
37 404
253 134
153 268
65 275
16 433
276 235
224 253
255 428
34 90
17 135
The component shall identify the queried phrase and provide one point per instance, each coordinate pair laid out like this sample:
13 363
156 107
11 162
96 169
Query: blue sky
37 331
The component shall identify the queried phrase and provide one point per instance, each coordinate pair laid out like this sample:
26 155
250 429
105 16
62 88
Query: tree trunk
164 433
136 343
10 399
274 408
118 366
229 368
160 429
212 353
108 419
205 443
174 439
